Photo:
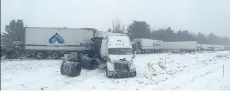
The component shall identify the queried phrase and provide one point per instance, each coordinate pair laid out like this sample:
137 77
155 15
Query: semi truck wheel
56 55
74 69
11 55
41 55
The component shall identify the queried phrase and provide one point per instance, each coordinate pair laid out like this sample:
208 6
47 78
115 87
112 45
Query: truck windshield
120 51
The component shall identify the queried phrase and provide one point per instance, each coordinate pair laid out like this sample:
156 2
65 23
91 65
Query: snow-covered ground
200 71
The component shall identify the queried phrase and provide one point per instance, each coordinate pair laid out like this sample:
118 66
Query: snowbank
199 71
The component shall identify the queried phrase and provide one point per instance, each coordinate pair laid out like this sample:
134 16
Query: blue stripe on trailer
35 45
58 45
74 46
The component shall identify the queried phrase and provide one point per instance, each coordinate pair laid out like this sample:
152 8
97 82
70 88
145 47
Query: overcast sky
193 15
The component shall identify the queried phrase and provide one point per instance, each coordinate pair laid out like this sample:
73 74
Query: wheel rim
54 55
40 55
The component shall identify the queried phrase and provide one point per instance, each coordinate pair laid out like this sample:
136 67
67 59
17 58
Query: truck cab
117 51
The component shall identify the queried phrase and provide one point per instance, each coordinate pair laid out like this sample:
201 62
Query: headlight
110 69
110 66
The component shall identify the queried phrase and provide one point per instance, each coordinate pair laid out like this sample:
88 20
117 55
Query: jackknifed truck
110 49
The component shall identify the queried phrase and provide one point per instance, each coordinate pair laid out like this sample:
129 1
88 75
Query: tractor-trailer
147 45
189 46
112 50
87 48
211 47
44 41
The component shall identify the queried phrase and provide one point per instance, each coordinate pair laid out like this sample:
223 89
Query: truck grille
121 66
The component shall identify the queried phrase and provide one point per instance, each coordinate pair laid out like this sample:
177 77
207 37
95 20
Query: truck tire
89 64
62 68
41 55
56 55
74 69
11 55
93 64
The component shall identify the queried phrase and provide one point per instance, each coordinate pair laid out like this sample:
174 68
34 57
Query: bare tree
117 27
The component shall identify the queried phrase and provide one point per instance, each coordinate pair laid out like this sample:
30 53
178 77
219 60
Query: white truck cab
117 50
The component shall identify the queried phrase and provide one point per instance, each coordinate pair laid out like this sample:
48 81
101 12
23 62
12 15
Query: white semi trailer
226 47
110 49
143 45
43 41
188 46
211 47
218 47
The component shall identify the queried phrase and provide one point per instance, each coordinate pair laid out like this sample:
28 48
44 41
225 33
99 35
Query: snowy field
199 71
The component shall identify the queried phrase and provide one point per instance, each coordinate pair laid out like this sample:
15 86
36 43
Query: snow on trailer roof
134 41
138 39
179 41
106 34
66 28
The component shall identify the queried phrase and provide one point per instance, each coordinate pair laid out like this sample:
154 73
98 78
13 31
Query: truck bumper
121 74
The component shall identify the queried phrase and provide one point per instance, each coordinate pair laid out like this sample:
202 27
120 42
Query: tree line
141 29
15 31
